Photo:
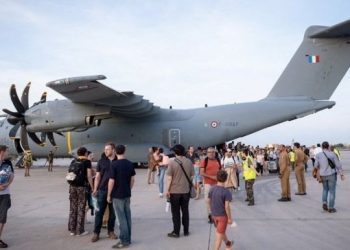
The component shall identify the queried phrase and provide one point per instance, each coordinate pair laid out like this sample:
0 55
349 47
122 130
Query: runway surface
38 217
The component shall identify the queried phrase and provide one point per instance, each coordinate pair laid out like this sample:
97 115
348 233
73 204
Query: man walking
300 160
284 173
103 171
6 178
178 190
120 183
209 169
328 164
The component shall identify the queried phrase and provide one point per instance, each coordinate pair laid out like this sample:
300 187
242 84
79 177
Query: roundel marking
214 124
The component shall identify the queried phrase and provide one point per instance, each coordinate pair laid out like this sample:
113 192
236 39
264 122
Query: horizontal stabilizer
336 31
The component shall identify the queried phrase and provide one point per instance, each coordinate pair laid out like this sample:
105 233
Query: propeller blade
11 113
13 120
43 137
24 138
15 100
13 131
59 133
43 97
25 96
51 139
35 138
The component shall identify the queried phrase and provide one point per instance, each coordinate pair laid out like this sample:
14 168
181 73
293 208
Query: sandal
3 244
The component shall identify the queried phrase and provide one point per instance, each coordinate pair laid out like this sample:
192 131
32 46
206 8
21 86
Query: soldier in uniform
300 160
284 173
50 161
27 162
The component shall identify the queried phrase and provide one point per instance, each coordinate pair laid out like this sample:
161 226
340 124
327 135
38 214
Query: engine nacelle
64 115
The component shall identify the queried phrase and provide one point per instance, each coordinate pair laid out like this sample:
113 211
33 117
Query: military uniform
284 175
50 160
27 162
300 160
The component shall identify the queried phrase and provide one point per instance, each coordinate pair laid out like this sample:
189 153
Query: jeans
102 204
329 185
180 202
161 178
122 210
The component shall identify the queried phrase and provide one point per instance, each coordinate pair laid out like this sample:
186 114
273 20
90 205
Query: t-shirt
211 169
86 164
218 195
104 168
6 170
179 183
228 162
122 171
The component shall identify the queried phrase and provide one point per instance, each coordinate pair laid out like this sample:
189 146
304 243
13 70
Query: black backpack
77 167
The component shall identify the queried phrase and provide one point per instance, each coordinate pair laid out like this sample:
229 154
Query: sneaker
332 210
251 204
83 233
289 199
325 207
112 236
95 238
3 244
160 195
283 199
173 235
186 233
120 245
72 234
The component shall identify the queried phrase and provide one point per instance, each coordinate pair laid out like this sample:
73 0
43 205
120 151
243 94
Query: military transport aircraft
93 113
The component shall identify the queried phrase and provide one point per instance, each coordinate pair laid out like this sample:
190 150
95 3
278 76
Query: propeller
50 136
17 119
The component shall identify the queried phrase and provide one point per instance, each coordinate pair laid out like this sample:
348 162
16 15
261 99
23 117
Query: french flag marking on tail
313 58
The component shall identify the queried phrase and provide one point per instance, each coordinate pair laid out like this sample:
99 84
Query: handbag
192 191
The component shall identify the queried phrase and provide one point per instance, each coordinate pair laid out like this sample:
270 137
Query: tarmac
38 218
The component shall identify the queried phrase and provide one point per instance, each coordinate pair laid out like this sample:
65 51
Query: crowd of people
213 173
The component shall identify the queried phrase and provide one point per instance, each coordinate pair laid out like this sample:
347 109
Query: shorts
5 204
220 223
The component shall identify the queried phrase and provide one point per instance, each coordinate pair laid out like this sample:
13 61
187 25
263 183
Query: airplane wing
87 89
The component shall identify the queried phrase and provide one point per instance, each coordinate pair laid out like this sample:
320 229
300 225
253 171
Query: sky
182 53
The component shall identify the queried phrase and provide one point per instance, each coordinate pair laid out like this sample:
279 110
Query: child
219 199
197 177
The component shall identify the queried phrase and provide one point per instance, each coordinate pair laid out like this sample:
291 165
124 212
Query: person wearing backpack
80 174
209 169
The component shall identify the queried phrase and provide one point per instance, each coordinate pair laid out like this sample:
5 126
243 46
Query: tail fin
319 64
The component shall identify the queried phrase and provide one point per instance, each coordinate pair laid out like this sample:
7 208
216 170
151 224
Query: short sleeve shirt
179 183
122 171
6 170
212 168
104 168
218 196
